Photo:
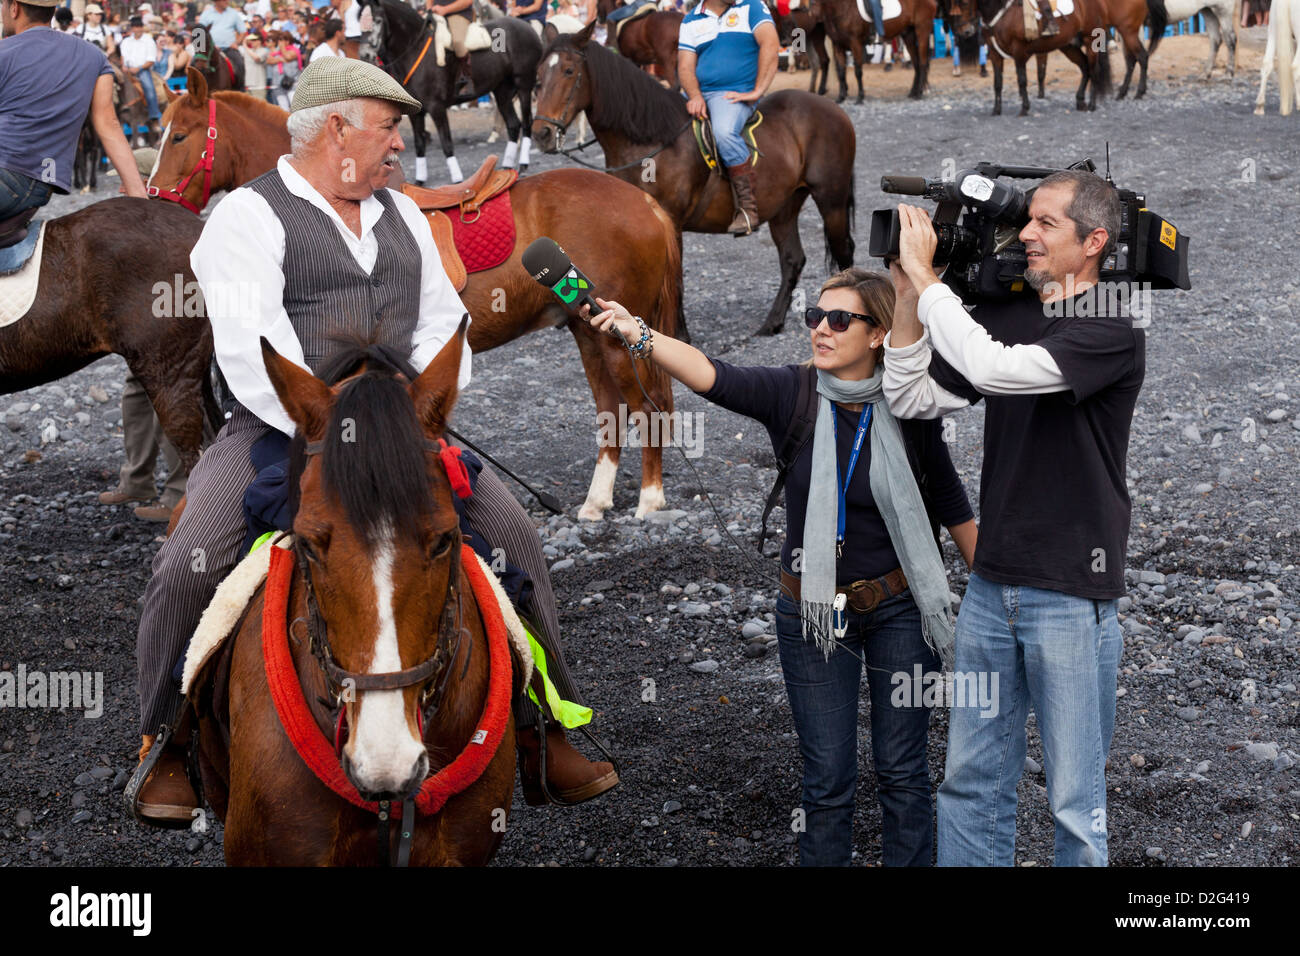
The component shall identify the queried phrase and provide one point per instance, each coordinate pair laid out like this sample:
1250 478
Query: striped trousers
207 541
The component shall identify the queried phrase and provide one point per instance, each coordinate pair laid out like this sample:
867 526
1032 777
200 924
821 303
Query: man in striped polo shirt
314 248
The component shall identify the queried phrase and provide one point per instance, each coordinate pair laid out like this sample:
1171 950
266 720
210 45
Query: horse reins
204 163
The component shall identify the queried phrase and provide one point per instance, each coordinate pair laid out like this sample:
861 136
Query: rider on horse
226 26
48 80
727 57
459 15
327 250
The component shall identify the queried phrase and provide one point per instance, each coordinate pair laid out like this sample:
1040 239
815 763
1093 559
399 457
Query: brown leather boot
166 798
570 777
1048 26
742 193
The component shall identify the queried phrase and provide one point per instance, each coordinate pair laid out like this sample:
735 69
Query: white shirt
239 262
324 50
991 367
137 52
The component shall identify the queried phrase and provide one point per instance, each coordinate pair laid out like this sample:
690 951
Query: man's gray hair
305 125
1095 205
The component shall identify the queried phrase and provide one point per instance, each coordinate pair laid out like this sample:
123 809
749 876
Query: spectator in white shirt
332 46
138 57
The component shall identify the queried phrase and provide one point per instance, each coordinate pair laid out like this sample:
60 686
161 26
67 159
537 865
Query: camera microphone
904 185
551 266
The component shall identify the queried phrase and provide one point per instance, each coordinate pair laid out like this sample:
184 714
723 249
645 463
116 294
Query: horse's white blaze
157 159
383 752
600 496
555 58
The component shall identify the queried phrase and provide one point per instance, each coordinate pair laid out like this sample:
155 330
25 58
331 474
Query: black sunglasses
837 319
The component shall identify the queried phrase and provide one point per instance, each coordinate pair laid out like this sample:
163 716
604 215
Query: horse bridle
204 163
563 127
430 675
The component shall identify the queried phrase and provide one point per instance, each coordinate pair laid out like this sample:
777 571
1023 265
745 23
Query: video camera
984 256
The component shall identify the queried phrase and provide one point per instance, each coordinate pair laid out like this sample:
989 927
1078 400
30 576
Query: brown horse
805 33
221 70
634 258
806 147
406 630
115 278
133 108
848 33
647 40
1082 39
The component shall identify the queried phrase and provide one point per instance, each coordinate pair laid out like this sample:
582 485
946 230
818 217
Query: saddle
481 233
626 14
889 9
20 265
1060 8
708 146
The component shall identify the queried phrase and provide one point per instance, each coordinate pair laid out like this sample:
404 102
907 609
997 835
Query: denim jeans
150 94
1057 654
728 119
19 192
824 702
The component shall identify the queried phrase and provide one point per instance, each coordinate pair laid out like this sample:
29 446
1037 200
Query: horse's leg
420 138
859 52
439 113
841 70
997 82
784 227
1129 61
1134 42
1075 56
600 494
918 53
505 97
823 58
1022 80
1266 66
1212 27
525 85
1041 63
655 431
1230 33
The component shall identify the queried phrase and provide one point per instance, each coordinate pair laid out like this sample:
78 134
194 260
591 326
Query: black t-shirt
1054 505
768 394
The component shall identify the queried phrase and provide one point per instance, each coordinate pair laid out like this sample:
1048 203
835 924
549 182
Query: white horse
1284 44
1221 17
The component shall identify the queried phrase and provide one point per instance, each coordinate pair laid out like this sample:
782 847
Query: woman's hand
614 320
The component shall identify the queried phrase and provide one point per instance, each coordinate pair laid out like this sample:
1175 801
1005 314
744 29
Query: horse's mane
252 106
626 98
405 16
373 458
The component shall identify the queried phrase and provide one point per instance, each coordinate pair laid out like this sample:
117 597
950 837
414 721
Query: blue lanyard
864 426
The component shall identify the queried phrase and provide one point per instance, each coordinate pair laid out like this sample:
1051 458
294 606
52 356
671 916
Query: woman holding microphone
862 579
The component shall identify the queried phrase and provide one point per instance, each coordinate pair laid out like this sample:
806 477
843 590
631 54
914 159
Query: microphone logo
570 288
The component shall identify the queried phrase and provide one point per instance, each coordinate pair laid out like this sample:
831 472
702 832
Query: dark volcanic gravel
1203 762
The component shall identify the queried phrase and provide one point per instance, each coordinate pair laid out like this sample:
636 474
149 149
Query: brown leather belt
863 596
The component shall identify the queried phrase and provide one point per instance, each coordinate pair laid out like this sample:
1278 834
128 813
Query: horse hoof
1259 111
770 327
589 512
997 111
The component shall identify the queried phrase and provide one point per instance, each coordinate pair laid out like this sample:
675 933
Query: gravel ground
668 625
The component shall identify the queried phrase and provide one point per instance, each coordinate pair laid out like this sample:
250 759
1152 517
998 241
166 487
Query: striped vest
326 294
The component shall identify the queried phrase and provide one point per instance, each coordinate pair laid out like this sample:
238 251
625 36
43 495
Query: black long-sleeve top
768 395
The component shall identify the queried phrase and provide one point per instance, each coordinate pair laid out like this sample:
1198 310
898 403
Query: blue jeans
19 192
150 94
728 119
1057 654
824 702
877 17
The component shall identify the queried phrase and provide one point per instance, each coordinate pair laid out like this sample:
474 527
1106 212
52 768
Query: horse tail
1159 17
1285 54
668 307
851 209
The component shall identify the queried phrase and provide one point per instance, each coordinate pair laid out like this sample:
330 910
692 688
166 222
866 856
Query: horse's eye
178 137
568 71
442 545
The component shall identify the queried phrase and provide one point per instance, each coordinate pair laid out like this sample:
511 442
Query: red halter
204 163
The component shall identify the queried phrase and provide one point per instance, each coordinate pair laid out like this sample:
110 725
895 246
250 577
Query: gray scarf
899 500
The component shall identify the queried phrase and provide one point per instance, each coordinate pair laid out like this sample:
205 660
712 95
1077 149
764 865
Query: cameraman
1060 383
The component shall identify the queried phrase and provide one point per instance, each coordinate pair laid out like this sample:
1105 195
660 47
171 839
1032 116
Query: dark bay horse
402 41
805 33
1082 39
647 40
379 550
221 70
848 33
806 148
634 257
115 278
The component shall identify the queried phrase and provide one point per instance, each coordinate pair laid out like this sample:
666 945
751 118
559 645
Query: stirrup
541 760
131 794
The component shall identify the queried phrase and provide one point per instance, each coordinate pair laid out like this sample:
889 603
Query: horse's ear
172 95
434 393
305 398
582 36
196 86
549 33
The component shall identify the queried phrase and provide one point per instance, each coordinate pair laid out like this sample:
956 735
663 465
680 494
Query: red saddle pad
486 241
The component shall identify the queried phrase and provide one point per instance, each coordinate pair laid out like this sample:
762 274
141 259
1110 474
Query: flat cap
331 79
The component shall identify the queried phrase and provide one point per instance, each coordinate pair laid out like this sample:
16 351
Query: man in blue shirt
727 53
226 25
48 80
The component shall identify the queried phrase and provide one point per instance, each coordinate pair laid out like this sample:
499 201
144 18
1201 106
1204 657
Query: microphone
904 185
551 266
